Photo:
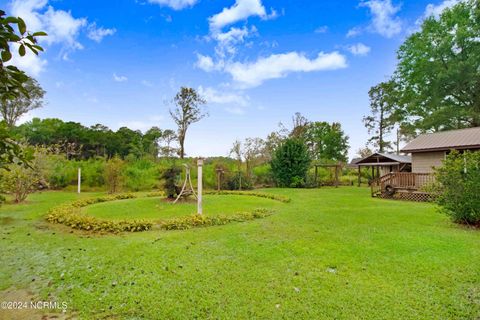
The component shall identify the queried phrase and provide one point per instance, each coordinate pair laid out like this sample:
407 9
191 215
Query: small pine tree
290 164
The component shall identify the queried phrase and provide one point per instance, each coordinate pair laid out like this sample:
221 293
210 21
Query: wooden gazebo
384 163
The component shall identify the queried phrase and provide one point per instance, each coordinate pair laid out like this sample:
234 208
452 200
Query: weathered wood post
79 180
199 185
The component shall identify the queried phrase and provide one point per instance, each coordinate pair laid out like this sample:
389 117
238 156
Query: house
429 150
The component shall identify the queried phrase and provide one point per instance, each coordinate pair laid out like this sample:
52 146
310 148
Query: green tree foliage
12 109
79 142
20 180
290 163
458 188
188 110
114 174
12 79
383 116
326 142
438 73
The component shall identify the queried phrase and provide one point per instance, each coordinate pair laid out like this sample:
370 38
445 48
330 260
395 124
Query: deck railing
402 180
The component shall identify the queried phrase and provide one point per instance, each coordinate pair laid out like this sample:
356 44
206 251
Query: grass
329 254
155 209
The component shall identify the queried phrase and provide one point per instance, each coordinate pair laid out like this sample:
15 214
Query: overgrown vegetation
458 187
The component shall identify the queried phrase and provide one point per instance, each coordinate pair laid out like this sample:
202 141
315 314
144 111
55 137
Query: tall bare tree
12 109
188 109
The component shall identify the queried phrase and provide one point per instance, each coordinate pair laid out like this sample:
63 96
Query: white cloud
251 74
322 29
175 4
354 32
214 96
384 19
97 34
60 25
118 78
241 10
436 10
359 49
228 41
206 63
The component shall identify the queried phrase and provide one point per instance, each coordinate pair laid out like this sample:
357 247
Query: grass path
329 254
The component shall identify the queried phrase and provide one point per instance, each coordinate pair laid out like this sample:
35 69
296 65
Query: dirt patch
6 220
18 304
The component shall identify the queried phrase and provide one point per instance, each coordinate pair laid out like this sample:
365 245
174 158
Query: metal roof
454 139
387 159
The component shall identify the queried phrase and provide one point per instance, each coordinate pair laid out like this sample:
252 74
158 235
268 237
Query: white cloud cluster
97 34
354 32
236 102
251 74
118 78
62 28
241 10
359 49
227 42
175 4
384 19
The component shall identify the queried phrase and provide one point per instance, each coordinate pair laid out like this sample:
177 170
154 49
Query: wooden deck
403 186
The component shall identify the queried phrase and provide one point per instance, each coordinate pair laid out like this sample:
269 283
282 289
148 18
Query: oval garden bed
133 212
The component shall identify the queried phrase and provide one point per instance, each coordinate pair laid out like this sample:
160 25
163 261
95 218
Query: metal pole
199 186
79 180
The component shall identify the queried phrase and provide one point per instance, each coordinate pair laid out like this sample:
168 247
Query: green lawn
329 254
155 209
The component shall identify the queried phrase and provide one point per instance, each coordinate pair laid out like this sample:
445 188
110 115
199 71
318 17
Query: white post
199 185
79 179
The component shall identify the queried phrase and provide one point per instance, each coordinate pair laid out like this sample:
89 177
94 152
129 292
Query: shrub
113 174
69 215
290 163
197 220
170 177
20 180
239 181
457 191
2 199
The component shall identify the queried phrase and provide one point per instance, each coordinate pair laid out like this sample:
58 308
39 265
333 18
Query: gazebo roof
384 159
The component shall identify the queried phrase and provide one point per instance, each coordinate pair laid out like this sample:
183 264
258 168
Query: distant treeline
77 141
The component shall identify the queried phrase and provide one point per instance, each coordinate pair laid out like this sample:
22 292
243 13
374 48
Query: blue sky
257 62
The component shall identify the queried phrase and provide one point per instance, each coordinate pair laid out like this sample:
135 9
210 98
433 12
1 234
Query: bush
197 220
290 164
113 174
20 180
457 190
238 181
170 177
2 199
69 215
